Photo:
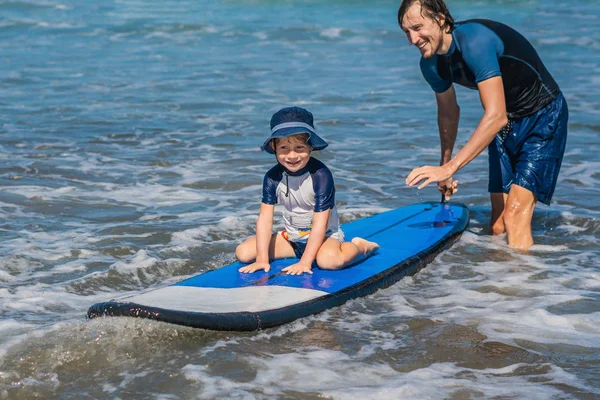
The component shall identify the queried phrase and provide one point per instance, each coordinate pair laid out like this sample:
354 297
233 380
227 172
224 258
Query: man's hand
256 266
428 174
448 188
298 269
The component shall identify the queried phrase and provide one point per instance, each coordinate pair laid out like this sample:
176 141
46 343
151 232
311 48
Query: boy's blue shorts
299 248
530 152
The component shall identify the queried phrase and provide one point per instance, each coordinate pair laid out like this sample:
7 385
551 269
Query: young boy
304 186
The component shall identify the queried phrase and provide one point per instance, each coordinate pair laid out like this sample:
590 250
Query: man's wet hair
431 9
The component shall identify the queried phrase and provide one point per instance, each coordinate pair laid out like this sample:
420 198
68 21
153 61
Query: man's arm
448 117
491 93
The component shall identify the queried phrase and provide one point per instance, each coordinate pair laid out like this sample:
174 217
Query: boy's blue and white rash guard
303 193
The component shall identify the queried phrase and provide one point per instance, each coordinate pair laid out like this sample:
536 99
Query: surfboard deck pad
225 299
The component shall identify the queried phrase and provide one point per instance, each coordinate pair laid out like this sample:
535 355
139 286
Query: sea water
129 159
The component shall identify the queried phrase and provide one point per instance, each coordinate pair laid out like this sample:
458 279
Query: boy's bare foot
366 248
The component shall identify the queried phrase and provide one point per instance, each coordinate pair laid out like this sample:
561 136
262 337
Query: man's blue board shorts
529 151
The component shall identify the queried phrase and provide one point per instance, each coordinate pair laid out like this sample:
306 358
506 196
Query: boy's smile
292 152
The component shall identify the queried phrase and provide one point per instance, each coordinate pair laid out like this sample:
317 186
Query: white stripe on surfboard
218 300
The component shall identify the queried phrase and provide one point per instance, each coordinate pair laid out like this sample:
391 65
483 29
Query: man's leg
518 212
500 175
497 219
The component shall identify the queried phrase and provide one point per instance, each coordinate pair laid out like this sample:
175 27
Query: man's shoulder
480 37
473 28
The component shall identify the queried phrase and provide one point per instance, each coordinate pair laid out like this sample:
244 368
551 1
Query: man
524 124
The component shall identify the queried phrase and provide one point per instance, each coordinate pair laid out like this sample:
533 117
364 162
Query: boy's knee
329 259
244 253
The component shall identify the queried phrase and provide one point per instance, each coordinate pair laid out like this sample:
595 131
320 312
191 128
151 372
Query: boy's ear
272 144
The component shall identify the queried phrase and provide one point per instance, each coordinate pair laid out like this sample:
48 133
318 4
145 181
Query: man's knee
497 227
509 219
516 214
517 221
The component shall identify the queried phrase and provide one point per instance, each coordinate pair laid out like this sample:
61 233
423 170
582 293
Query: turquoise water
129 158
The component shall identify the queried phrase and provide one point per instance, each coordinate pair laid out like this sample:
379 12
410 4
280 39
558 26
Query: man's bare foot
366 248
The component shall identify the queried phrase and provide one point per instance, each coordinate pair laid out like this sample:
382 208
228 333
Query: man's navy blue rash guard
482 49
302 193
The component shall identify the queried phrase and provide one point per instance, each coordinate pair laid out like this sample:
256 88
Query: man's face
423 32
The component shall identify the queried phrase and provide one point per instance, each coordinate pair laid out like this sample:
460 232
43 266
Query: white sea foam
261 35
332 32
141 260
507 302
5 277
584 172
189 237
237 227
333 373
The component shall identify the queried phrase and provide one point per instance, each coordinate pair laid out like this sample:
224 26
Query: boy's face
292 152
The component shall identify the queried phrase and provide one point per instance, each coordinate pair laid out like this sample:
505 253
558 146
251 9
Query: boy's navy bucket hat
292 121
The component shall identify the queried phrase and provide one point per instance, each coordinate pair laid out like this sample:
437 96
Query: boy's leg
364 246
336 255
278 248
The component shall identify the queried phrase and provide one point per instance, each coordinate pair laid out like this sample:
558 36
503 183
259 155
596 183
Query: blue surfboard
225 299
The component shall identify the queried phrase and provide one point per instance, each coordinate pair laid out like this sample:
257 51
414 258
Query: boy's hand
256 266
298 269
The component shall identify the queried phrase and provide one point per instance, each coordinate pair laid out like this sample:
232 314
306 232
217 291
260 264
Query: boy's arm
264 230
315 241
